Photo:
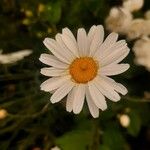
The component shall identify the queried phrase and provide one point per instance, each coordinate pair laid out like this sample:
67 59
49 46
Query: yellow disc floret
83 69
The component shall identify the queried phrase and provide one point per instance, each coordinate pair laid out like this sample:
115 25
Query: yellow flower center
83 69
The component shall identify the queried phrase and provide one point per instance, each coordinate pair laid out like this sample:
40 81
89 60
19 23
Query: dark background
31 123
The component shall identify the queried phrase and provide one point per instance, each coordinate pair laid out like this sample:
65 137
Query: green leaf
52 12
75 140
135 123
78 139
114 139
104 147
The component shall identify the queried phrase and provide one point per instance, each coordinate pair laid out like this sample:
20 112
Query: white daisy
81 68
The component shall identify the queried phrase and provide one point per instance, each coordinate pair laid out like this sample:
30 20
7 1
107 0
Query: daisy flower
81 68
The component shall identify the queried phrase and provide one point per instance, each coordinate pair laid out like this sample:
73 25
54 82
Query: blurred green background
27 120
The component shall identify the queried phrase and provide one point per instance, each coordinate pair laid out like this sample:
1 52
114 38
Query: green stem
138 100
96 136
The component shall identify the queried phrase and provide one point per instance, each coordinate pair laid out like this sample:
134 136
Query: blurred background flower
28 121
13 57
124 120
3 113
141 50
133 5
119 20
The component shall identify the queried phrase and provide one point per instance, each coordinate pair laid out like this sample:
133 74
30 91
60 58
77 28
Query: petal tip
95 116
103 109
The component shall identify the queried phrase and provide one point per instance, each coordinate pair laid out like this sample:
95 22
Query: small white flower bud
3 113
55 148
124 120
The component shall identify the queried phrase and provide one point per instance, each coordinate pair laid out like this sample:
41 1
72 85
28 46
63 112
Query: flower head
138 28
80 68
141 50
119 20
133 5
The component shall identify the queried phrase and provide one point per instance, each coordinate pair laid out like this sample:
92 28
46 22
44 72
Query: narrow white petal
119 59
117 86
91 33
82 41
111 39
51 71
109 42
69 102
72 46
52 61
67 51
54 83
94 110
62 91
120 88
97 96
69 33
106 89
52 92
97 39
115 57
79 96
118 45
53 46
113 69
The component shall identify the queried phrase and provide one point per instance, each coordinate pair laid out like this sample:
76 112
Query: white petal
79 96
54 83
62 91
53 46
94 110
97 96
117 86
97 39
82 41
72 46
109 42
118 45
64 47
52 61
115 57
69 33
69 102
91 33
119 59
51 71
106 89
120 88
113 69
